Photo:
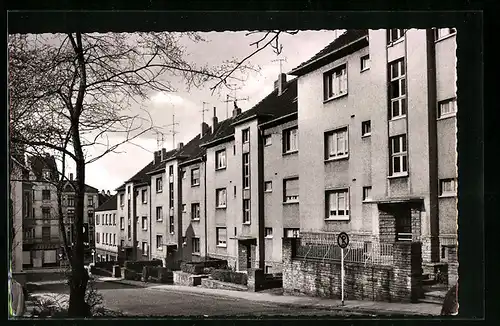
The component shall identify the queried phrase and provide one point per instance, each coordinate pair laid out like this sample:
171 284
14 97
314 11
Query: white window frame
97 237
400 79
144 195
290 198
195 181
171 224
245 135
334 139
453 182
220 159
144 224
122 222
159 244
268 233
367 193
122 200
400 34
193 216
144 248
195 242
335 83
246 211
365 62
159 184
221 243
246 170
295 232
291 140
268 140
160 210
451 105
333 204
401 152
266 183
184 208
220 198
114 239
442 33
367 124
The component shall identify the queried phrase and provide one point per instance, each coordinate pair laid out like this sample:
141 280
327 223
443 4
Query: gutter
265 124
251 118
216 141
296 71
186 163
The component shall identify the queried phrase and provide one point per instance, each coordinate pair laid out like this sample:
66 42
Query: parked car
450 303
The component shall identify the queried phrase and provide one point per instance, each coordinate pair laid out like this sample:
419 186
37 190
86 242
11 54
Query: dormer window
46 174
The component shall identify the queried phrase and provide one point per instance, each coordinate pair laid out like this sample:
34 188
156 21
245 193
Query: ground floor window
196 245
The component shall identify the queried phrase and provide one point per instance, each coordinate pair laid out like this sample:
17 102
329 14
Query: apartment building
107 232
377 137
17 172
235 176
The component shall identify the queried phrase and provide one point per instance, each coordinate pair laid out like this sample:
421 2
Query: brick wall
416 225
452 264
387 227
398 283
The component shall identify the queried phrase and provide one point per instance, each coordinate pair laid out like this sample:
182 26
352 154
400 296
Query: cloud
167 98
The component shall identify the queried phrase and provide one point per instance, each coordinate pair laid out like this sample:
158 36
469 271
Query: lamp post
93 257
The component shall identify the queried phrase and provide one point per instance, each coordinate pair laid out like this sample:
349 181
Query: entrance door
403 224
249 256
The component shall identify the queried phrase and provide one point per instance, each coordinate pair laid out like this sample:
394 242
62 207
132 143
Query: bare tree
73 91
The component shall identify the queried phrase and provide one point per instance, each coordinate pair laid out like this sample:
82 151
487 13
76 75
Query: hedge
203 267
137 266
156 273
226 275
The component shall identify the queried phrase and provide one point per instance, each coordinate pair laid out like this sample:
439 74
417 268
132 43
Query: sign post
342 241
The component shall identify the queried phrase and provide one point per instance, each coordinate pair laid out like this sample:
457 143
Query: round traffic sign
343 240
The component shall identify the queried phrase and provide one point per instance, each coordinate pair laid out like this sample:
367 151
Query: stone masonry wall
387 227
452 265
416 225
398 283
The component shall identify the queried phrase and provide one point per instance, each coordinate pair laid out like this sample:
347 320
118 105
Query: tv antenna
203 111
160 140
172 130
280 60
233 98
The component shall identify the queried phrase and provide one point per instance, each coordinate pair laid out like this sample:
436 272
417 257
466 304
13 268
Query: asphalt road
134 301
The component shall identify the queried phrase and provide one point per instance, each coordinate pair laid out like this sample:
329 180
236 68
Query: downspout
204 160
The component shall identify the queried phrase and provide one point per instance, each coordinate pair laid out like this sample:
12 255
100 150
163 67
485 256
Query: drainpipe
204 160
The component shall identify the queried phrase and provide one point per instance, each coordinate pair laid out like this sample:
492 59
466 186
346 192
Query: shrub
192 267
226 275
137 266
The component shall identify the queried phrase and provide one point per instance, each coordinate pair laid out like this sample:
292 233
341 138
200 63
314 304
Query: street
135 301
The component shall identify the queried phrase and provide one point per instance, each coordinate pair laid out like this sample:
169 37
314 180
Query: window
365 62
366 128
268 232
46 174
220 159
159 184
367 193
171 170
114 239
290 140
129 229
45 194
184 208
90 201
292 233
171 225
122 223
144 196
337 204
268 186
246 170
397 89
71 201
90 216
195 177
196 245
144 248
403 228
159 242
246 211
447 108
440 33
170 195
46 213
245 135
144 223
267 140
291 190
128 189
97 221
114 218
220 197
195 211
234 191
399 160
122 243
394 34
159 213
221 237
46 232
122 200
448 187
337 144
97 237
267 269
335 82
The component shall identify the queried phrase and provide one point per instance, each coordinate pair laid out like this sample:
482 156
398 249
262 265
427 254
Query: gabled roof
39 163
71 186
347 38
193 149
271 107
109 205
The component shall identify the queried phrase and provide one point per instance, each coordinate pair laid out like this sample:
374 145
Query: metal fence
363 249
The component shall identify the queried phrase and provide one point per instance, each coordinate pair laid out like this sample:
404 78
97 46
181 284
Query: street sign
343 240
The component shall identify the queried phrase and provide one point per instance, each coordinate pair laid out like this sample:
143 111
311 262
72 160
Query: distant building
107 237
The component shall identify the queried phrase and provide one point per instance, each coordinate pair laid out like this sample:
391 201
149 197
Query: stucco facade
16 195
107 238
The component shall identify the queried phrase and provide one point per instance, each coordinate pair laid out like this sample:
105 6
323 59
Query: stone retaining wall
215 284
186 279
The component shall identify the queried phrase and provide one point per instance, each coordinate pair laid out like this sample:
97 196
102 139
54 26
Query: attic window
46 174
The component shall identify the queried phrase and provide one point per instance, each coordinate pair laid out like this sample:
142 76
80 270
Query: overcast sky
113 169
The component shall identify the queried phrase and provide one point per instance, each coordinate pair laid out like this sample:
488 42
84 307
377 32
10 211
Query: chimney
236 110
109 193
280 83
180 145
71 177
157 157
163 154
204 128
215 121
103 192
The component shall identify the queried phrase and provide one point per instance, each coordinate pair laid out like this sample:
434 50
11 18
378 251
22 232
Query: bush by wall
226 275
137 266
203 267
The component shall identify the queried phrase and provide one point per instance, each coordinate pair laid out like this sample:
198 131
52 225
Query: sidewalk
366 307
